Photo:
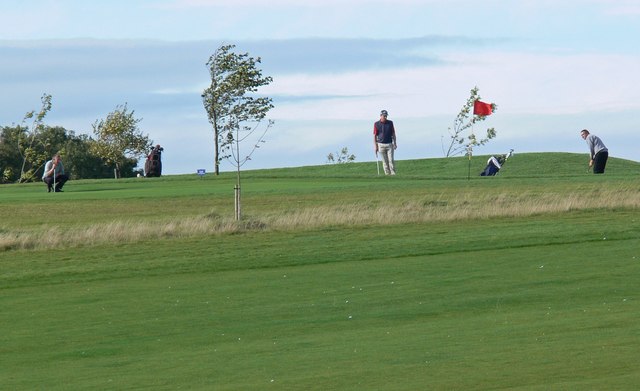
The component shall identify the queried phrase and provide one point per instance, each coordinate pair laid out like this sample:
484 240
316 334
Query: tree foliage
230 101
465 120
118 138
82 162
10 158
79 160
24 149
32 152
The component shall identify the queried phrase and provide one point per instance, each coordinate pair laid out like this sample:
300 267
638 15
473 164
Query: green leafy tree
234 109
10 158
79 159
43 145
119 139
82 162
230 100
462 142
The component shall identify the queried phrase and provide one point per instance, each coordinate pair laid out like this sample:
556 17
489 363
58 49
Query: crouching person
54 175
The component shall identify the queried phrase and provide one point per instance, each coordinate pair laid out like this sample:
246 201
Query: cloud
627 10
522 83
293 3
327 92
318 55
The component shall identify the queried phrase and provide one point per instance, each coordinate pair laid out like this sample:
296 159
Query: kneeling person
54 174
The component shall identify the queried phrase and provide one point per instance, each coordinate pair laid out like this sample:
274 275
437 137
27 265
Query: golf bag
153 165
495 163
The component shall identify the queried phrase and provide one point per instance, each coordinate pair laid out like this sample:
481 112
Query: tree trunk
216 162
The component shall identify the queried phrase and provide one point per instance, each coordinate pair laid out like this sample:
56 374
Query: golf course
335 278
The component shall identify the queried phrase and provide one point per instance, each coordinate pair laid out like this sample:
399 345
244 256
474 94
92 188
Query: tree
79 158
234 110
119 139
341 157
229 101
464 121
10 157
32 158
82 162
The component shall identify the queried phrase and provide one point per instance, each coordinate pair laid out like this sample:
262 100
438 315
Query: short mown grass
336 279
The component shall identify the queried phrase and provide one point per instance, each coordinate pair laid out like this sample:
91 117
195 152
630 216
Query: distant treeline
23 155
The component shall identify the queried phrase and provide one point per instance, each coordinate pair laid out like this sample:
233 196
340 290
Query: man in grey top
598 153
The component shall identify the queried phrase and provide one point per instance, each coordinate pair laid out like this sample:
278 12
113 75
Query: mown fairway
336 279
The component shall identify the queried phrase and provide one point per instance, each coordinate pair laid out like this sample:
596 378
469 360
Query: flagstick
480 109
378 162
469 154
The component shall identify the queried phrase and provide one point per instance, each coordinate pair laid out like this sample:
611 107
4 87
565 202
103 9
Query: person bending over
598 153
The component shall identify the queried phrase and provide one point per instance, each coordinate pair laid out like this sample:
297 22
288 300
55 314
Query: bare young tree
465 120
27 140
341 157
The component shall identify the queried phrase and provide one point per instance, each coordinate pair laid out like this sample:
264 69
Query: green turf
547 302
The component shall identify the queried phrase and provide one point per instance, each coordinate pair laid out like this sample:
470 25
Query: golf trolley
153 165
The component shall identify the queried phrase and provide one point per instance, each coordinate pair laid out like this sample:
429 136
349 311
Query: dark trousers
61 179
600 161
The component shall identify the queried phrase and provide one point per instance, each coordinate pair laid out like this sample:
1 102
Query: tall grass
465 205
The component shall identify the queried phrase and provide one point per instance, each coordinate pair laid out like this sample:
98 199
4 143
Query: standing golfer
598 153
384 141
54 174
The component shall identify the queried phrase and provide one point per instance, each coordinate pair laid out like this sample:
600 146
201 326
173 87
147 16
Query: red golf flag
481 108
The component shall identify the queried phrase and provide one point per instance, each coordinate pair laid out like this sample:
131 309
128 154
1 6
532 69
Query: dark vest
384 132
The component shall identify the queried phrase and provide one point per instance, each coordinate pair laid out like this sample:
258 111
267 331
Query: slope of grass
538 297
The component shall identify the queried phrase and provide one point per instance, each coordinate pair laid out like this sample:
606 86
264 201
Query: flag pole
480 109
469 168
470 152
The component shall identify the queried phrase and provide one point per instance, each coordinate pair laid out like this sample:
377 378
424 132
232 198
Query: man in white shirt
54 175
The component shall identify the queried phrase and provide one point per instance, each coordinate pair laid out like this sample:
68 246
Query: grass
338 279
127 210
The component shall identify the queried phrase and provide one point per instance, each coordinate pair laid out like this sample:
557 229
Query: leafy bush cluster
25 148
76 150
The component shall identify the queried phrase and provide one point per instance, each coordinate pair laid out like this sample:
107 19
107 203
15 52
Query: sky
552 68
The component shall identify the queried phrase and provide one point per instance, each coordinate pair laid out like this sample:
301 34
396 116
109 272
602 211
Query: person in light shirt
598 152
54 175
